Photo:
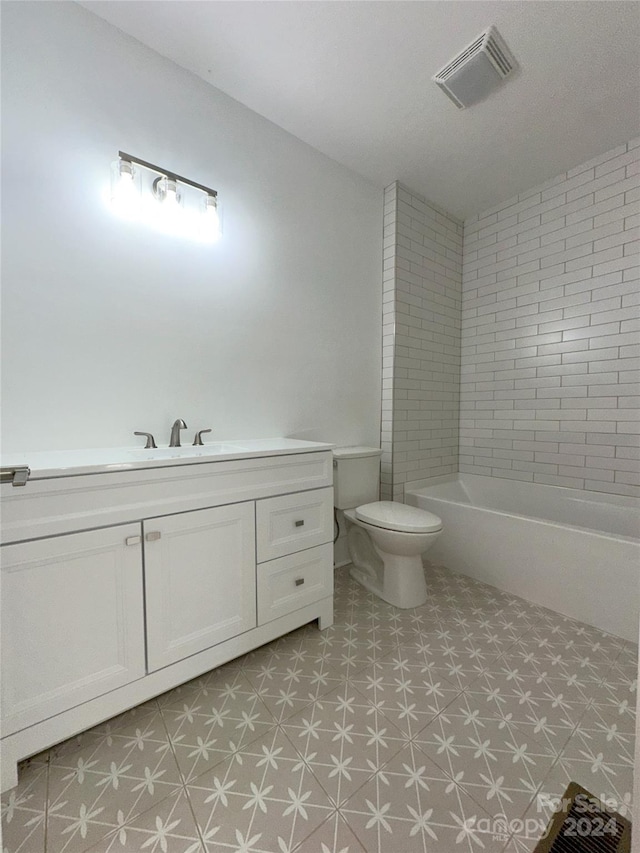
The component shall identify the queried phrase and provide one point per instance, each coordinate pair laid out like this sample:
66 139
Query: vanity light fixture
166 200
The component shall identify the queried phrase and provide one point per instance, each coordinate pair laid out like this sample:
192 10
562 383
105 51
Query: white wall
422 283
551 331
109 327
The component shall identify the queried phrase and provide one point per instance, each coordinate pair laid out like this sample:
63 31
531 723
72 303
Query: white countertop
66 463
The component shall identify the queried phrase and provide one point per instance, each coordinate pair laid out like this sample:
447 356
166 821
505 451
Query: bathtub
573 551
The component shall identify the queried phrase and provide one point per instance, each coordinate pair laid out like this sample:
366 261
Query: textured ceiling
353 79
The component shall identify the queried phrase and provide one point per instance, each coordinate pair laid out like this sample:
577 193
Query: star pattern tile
409 694
169 825
412 805
24 811
263 798
111 779
452 726
499 766
214 720
345 739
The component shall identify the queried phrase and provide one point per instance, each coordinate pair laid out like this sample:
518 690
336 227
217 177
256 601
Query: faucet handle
197 441
151 442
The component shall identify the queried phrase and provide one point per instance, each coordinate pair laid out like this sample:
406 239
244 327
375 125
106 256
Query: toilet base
403 585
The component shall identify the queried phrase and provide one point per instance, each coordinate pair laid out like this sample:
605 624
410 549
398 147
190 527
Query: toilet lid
397 516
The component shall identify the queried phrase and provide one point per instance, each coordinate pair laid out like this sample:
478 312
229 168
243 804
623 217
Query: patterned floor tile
500 768
546 709
93 790
168 826
580 632
520 844
521 661
24 811
350 648
556 662
616 704
280 647
288 683
264 799
628 656
596 735
344 739
201 686
408 694
456 658
137 717
411 805
333 836
214 722
621 684
562 660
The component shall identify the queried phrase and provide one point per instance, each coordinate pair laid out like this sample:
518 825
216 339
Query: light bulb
166 191
170 214
210 223
125 193
171 197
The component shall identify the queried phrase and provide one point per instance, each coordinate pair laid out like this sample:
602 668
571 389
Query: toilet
386 539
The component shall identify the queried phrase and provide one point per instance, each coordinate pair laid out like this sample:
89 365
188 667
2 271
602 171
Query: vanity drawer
292 523
291 582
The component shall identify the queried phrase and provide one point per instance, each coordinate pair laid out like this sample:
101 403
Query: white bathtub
573 551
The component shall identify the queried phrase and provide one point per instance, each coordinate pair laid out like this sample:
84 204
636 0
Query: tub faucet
175 432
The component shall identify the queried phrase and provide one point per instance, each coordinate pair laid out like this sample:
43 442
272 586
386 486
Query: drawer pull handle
151 537
132 540
299 581
300 523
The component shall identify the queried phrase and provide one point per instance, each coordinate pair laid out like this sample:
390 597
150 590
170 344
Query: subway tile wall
550 332
422 283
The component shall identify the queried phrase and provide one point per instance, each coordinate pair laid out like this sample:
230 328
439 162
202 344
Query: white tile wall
422 282
550 321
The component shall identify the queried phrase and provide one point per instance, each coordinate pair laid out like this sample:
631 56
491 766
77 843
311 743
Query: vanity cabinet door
200 580
72 621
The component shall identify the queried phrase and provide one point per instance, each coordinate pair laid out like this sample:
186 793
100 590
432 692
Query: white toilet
385 539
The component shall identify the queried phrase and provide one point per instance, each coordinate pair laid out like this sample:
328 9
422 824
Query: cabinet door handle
299 581
153 535
300 522
133 540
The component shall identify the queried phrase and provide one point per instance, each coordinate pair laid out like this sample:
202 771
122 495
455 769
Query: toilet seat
390 515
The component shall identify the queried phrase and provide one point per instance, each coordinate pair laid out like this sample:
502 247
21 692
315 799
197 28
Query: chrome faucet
175 433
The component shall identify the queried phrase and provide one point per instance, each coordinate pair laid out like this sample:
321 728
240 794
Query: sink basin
184 452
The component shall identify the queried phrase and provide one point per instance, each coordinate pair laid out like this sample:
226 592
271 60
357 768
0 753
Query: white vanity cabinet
119 585
199 580
71 621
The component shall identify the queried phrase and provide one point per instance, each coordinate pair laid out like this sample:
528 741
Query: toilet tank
356 476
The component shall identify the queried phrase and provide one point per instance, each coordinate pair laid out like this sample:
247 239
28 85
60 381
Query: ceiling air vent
477 70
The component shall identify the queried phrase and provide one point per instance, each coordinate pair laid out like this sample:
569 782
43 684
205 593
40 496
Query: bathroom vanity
126 573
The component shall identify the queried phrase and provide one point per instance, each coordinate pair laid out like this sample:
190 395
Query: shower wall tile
550 361
422 283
